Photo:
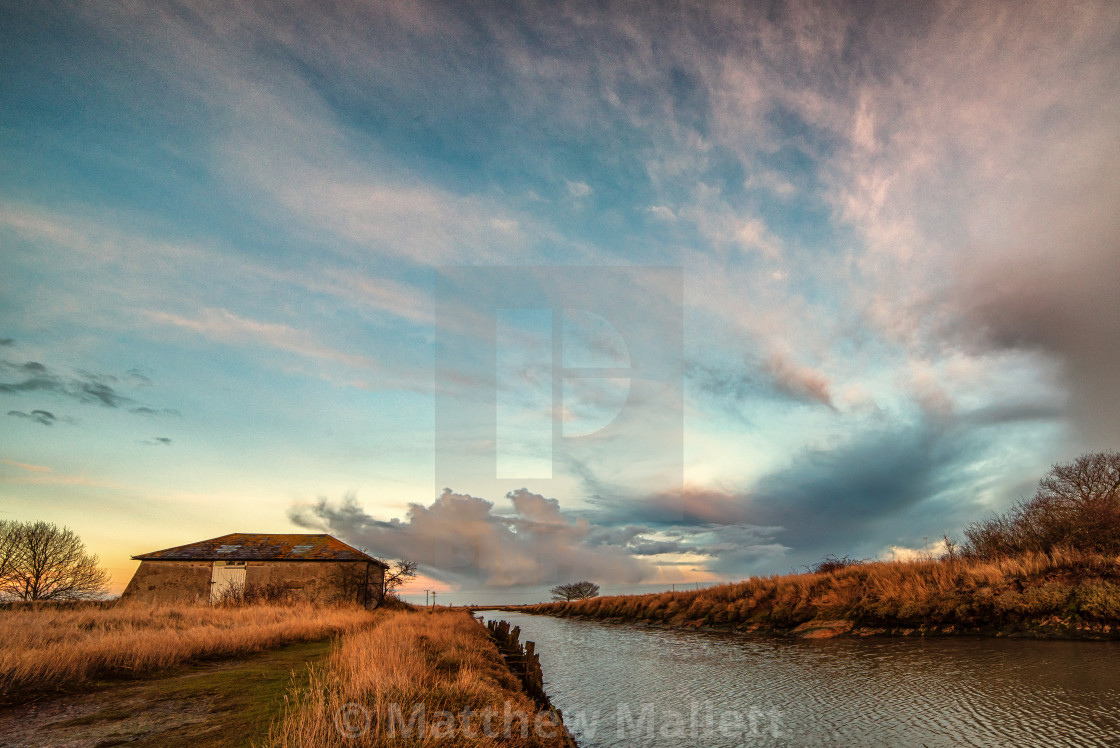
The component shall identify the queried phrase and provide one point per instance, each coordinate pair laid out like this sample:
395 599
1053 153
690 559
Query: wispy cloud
45 417
749 382
226 327
27 466
87 387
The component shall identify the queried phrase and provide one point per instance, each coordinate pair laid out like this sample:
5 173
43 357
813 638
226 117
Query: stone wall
188 582
170 582
322 581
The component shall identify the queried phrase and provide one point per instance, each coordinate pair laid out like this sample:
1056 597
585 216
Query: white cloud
463 538
578 189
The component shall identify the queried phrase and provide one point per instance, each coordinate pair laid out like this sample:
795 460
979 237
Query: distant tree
398 574
1077 506
47 562
574 591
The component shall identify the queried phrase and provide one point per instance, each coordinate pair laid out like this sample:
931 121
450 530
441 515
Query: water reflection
629 685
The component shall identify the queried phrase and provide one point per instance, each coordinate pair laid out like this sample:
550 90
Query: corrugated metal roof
240 546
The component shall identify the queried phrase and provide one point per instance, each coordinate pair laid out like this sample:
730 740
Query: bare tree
1077 506
397 575
574 591
9 545
49 562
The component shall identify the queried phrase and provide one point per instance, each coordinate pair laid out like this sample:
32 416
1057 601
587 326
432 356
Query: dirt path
228 703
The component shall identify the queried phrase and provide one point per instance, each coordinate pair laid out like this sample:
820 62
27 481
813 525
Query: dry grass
444 661
47 647
1030 587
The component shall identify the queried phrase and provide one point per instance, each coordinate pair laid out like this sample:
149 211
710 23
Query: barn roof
241 546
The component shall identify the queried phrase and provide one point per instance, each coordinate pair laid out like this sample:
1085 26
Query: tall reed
375 679
1029 587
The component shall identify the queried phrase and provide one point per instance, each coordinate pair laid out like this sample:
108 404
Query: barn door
225 578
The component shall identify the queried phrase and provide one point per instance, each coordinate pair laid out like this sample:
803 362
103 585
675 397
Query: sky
653 294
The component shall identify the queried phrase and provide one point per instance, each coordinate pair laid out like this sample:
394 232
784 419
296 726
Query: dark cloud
658 547
44 417
85 386
98 392
144 410
888 483
691 506
7 341
846 498
1063 305
158 441
139 378
460 537
778 377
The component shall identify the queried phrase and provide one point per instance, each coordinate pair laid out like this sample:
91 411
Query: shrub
1098 600
831 564
1077 507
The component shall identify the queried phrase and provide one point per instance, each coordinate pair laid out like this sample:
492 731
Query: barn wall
170 582
321 581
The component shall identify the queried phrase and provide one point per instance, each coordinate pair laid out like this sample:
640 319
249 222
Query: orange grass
443 660
52 647
1032 587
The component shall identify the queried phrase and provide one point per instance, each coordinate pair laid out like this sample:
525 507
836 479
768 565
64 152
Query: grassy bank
49 647
440 665
1059 594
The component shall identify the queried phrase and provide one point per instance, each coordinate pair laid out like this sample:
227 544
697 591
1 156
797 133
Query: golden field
52 647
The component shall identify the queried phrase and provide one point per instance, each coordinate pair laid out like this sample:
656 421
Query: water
621 685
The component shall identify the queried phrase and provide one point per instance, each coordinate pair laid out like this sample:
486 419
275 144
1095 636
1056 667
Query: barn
317 568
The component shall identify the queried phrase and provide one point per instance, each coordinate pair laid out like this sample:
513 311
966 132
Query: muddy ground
228 703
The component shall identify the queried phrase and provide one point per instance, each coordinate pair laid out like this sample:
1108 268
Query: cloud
979 175
799 381
776 376
139 378
86 387
27 466
7 341
83 386
44 417
463 538
226 327
902 553
578 189
144 410
886 482
157 441
1062 306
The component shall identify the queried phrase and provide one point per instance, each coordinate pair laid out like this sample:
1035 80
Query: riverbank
415 676
1059 595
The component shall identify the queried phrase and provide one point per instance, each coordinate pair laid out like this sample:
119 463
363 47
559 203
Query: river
624 685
